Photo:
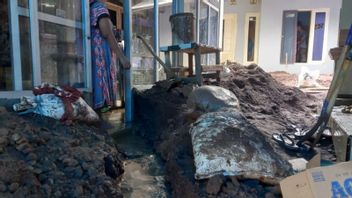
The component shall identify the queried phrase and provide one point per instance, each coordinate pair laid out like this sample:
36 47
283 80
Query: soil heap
42 157
269 105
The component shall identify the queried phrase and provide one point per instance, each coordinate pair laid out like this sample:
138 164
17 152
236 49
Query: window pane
26 53
251 38
303 25
142 60
61 49
288 39
23 3
214 24
69 9
5 55
319 30
203 24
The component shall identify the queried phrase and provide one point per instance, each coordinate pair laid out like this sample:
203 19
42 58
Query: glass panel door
319 31
6 79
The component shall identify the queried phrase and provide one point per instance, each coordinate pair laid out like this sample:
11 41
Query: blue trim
127 9
349 37
156 38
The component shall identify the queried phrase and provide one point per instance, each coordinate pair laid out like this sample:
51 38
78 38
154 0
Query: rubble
41 157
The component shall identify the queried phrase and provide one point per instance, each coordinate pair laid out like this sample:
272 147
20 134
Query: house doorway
251 38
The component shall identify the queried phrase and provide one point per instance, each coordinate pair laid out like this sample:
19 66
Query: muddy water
144 172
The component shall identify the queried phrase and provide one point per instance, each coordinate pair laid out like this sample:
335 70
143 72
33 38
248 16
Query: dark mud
266 103
42 157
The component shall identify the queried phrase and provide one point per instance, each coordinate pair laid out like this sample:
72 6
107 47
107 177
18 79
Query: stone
13 187
212 98
70 162
58 194
235 181
3 187
85 166
31 156
3 141
214 184
78 191
22 140
4 132
47 189
15 137
269 195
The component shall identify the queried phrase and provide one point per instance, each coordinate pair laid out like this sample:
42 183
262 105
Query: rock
31 156
22 140
77 173
4 132
13 187
15 137
23 147
214 184
230 189
70 162
235 181
58 194
212 98
269 195
3 141
47 189
85 166
3 187
78 191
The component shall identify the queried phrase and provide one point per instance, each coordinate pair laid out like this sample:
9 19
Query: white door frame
34 16
256 43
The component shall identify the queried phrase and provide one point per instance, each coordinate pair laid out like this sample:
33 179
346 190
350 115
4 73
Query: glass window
23 3
5 55
251 38
61 50
142 60
26 51
319 31
203 24
68 9
296 34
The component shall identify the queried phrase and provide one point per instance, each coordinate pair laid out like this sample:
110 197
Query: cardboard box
330 181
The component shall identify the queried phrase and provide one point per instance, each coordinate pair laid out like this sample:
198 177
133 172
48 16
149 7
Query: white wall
271 27
346 14
241 8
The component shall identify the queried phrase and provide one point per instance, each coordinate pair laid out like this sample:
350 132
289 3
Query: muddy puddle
144 171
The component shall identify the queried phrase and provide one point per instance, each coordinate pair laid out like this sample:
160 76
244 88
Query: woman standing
105 50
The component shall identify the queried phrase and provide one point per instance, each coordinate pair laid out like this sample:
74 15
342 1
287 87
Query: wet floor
144 171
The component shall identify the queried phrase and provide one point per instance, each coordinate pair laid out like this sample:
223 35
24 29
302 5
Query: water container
182 26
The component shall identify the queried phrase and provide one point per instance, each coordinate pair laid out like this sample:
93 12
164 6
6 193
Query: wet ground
144 171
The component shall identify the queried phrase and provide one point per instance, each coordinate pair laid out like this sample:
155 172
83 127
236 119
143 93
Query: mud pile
41 157
269 105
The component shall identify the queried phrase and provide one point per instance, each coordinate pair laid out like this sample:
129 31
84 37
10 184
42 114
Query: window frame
34 16
312 35
246 30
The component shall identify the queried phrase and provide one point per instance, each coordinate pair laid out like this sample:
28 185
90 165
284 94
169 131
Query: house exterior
266 33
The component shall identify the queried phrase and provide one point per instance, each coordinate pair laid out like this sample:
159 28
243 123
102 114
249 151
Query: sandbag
52 106
211 98
224 142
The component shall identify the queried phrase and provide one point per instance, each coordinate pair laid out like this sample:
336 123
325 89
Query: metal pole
156 38
128 73
197 20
